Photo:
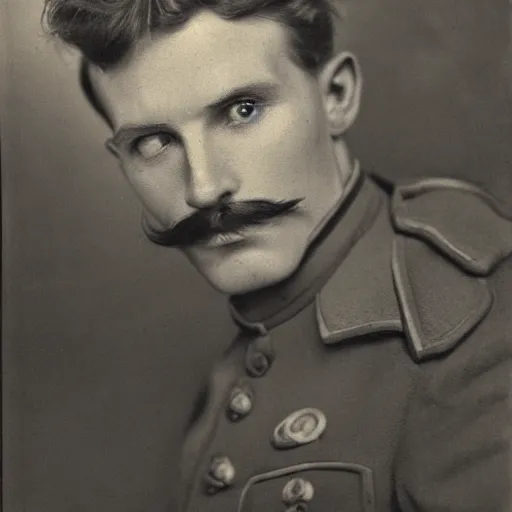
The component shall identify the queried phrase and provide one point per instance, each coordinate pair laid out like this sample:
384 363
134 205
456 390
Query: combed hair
105 31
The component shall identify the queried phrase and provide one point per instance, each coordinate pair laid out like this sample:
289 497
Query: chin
249 272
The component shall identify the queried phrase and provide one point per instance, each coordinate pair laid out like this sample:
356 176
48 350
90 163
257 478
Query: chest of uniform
315 429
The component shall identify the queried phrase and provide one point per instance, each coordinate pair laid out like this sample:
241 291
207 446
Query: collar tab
426 281
439 303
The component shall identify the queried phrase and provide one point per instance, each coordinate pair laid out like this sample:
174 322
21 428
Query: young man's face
215 112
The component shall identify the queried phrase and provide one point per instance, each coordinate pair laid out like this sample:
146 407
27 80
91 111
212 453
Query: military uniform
375 379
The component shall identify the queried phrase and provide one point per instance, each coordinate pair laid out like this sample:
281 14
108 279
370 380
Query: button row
258 360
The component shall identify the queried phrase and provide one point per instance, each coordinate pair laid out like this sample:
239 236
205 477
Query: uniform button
258 364
240 403
259 357
298 492
221 474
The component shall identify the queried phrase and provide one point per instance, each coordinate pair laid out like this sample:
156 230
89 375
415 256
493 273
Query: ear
341 84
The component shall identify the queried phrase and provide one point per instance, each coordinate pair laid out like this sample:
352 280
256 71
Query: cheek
280 151
160 191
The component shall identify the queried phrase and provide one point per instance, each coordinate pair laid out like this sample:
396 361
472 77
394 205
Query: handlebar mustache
225 218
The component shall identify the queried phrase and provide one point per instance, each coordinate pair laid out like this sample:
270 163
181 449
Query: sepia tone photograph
256 255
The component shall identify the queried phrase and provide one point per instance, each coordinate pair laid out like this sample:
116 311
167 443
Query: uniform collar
420 270
403 260
360 297
352 217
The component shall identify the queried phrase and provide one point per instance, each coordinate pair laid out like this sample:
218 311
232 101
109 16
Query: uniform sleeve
456 448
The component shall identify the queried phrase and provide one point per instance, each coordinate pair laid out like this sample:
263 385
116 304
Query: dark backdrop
106 338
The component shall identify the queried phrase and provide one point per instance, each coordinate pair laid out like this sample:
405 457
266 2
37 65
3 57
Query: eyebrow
128 132
259 88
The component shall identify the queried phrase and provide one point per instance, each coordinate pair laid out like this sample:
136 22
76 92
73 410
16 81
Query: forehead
192 67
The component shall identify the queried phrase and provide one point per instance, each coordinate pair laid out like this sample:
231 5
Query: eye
150 146
244 112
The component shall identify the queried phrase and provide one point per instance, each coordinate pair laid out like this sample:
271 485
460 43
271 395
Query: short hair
105 31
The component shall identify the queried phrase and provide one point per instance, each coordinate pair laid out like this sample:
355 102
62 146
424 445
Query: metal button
240 403
298 491
301 427
258 364
259 357
221 474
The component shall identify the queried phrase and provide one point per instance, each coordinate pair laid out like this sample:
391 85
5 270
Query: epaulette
459 219
448 238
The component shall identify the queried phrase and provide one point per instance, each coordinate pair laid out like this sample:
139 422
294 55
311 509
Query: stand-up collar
352 216
413 264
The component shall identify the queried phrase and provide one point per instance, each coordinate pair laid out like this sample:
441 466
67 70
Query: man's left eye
246 111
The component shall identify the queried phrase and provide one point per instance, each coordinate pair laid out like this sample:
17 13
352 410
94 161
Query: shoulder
459 219
447 240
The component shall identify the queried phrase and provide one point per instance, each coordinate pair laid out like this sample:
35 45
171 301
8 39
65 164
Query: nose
209 179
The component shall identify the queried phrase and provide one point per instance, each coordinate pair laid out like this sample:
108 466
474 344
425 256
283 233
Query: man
372 367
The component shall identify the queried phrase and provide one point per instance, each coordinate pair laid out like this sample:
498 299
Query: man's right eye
149 146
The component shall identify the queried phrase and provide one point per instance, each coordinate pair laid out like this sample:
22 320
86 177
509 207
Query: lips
221 240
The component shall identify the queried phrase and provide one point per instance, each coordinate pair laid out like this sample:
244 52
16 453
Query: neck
349 219
347 170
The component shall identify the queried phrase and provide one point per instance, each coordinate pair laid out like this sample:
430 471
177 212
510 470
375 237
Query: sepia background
106 338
